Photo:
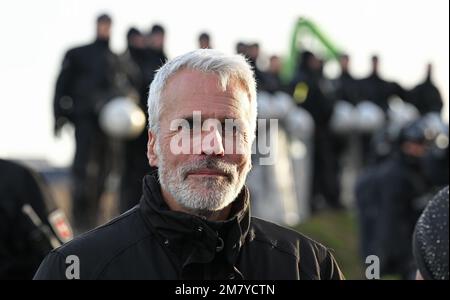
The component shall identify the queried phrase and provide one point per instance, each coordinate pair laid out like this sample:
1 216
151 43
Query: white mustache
209 163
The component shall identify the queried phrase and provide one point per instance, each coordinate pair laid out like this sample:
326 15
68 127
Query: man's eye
182 128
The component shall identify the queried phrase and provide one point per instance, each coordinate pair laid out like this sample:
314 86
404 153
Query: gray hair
227 67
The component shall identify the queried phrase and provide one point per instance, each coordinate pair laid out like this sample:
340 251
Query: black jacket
379 91
22 244
426 97
387 197
152 242
348 88
90 76
315 101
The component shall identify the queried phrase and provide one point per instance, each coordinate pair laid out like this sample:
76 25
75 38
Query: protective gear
285 201
369 117
121 118
401 113
343 120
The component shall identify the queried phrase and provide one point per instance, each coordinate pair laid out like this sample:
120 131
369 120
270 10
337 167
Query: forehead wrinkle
234 95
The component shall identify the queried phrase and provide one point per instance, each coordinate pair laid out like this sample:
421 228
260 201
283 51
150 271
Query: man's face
417 150
103 30
275 65
157 40
314 64
208 180
344 61
204 43
137 41
253 52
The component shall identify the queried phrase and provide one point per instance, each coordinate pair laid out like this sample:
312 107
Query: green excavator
307 36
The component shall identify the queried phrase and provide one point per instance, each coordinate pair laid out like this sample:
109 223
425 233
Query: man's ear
151 149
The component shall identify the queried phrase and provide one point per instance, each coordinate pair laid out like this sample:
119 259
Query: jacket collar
191 238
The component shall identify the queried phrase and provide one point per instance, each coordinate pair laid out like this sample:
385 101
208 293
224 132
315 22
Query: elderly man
193 220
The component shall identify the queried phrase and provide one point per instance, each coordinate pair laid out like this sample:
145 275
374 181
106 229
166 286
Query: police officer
347 87
155 53
425 96
90 76
146 58
139 64
204 41
30 227
388 197
308 94
376 89
132 61
252 53
272 77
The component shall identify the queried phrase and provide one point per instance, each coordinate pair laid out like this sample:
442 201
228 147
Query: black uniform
386 201
347 88
378 91
152 242
22 244
90 77
307 92
426 97
145 62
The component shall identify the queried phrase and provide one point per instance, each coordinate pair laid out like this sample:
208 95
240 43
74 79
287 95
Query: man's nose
212 143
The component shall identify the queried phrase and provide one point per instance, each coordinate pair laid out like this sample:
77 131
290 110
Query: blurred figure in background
89 78
389 199
425 96
204 41
307 93
241 48
430 241
138 68
133 59
378 90
347 87
30 225
156 56
272 77
146 61
346 91
252 53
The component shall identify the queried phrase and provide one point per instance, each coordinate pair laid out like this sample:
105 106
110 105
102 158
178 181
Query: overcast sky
35 34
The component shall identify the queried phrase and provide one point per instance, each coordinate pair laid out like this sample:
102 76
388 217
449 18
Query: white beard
202 195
